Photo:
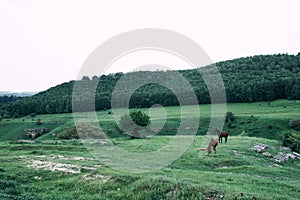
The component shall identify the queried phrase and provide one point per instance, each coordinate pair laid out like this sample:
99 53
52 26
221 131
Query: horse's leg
215 149
226 139
221 139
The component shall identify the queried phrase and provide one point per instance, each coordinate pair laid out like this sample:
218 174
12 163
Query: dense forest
6 99
249 79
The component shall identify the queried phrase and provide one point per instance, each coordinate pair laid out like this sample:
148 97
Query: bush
38 122
86 130
69 134
134 122
292 141
295 124
229 117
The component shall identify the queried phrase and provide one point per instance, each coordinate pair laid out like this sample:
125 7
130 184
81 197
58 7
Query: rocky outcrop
283 155
34 133
25 141
260 148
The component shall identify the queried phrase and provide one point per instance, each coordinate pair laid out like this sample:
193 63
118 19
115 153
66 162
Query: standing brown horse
222 134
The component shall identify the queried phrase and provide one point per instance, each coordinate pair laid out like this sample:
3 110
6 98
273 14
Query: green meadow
53 168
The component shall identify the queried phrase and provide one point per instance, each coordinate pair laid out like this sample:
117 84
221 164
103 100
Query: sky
45 43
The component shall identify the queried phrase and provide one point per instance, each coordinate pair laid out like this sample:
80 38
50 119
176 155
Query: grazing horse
221 135
213 143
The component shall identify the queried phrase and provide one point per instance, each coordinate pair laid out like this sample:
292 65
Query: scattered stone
297 155
25 142
78 158
275 165
34 133
280 157
103 178
259 148
283 157
238 153
55 166
37 177
267 154
284 149
53 163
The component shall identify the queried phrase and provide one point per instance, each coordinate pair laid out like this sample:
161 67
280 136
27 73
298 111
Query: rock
284 149
268 155
238 153
296 154
25 141
37 177
34 133
260 148
282 157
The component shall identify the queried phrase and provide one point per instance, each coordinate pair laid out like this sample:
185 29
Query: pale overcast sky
44 43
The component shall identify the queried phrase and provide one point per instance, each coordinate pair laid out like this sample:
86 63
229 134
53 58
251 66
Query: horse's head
208 150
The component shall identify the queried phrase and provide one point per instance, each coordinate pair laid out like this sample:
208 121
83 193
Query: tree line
6 99
249 79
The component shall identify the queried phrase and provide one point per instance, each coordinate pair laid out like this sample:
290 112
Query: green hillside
249 79
261 119
53 168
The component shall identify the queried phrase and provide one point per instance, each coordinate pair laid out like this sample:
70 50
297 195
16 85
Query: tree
85 78
229 117
295 124
133 122
292 140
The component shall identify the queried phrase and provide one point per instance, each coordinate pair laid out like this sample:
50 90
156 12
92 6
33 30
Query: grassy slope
233 170
262 119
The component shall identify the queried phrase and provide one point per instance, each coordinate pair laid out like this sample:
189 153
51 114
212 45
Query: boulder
268 155
283 157
25 141
260 148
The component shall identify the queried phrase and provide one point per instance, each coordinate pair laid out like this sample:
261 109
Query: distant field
65 169
253 119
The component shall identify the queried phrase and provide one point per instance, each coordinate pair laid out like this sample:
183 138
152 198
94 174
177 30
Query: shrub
270 126
229 117
292 140
86 130
295 124
38 122
69 134
135 121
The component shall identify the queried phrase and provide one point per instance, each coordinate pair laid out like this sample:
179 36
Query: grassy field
65 169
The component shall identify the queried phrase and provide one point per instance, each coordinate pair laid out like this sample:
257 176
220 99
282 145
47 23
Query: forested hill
250 79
